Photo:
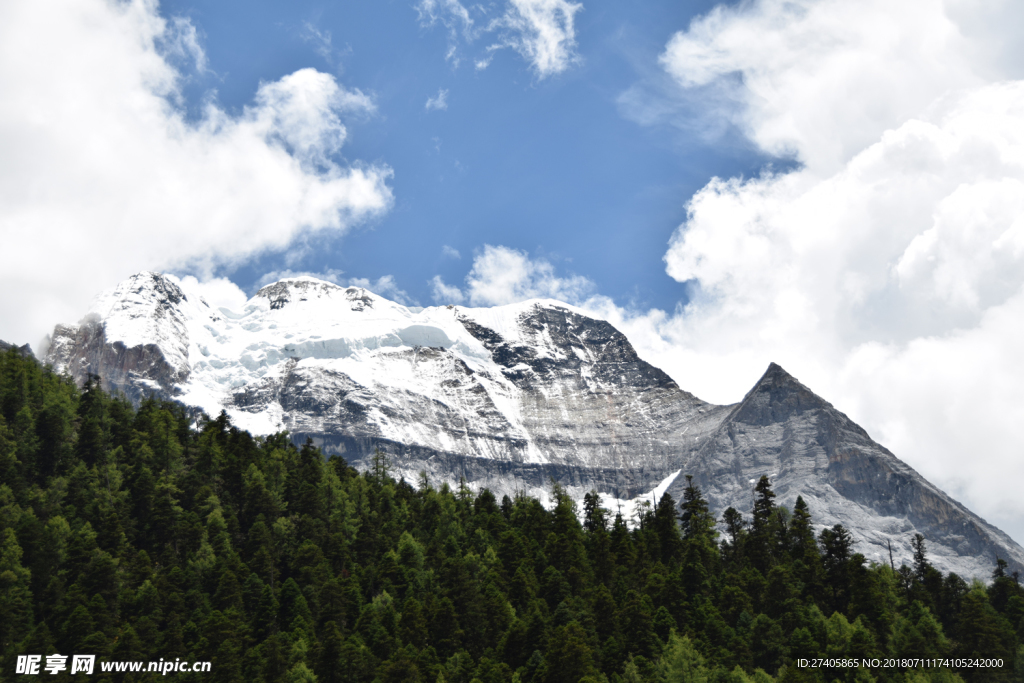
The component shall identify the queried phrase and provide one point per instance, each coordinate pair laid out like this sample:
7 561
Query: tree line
140 534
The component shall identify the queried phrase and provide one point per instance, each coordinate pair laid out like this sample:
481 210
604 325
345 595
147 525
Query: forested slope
139 535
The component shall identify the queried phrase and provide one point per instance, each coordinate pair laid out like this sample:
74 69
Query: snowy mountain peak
136 335
150 285
306 289
508 397
143 296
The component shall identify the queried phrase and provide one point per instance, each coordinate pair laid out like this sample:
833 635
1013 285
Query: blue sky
833 185
553 165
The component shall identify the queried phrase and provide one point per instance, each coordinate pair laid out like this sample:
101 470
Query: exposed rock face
809 448
146 352
508 398
136 371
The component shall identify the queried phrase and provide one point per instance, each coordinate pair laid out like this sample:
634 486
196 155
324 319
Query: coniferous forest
141 534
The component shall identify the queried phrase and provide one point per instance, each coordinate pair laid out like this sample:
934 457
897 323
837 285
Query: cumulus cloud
102 175
501 275
887 270
821 79
450 252
439 102
542 31
301 112
443 293
219 292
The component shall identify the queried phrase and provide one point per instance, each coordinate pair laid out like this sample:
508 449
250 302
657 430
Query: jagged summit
303 348
24 349
808 448
775 397
305 288
509 397
776 375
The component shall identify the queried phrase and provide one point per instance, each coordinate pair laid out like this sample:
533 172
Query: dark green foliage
137 534
836 544
984 633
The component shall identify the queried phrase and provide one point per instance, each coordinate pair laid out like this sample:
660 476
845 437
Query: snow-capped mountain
508 397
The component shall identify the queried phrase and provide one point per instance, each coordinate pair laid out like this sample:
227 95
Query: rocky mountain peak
775 398
154 292
283 292
24 349
304 290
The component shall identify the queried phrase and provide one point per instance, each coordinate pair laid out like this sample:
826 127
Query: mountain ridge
844 463
24 349
509 397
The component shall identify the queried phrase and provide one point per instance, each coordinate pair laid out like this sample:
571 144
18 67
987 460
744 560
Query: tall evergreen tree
836 544
764 539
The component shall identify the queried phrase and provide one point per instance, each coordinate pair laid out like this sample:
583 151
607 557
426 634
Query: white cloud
321 40
450 13
502 276
454 16
542 31
302 112
438 103
887 271
821 79
450 252
218 292
445 293
328 275
103 176
181 40
704 113
385 286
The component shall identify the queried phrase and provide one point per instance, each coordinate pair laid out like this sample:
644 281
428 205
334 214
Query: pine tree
329 663
984 634
764 536
15 593
682 663
569 656
93 431
836 544
736 529
594 516
380 464
697 521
